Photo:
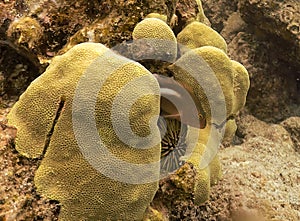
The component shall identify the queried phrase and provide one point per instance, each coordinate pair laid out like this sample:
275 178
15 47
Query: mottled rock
218 11
18 67
259 38
292 125
18 197
280 19
274 90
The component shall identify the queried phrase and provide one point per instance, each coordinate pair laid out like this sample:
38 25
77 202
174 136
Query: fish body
177 103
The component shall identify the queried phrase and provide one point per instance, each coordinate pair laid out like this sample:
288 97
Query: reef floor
261 179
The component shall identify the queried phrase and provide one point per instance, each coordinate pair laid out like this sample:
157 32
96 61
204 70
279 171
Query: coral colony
45 114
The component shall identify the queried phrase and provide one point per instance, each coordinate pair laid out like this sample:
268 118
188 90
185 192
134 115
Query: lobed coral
202 55
65 174
197 34
82 183
158 16
152 31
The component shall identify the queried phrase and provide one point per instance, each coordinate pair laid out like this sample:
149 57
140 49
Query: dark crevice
18 68
180 24
49 135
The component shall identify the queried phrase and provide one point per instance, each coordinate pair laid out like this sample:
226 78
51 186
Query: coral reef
25 30
109 23
191 181
52 139
234 92
260 168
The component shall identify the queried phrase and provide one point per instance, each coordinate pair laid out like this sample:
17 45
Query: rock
292 125
18 68
280 20
218 11
233 26
274 88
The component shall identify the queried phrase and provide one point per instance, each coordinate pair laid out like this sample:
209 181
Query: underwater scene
150 110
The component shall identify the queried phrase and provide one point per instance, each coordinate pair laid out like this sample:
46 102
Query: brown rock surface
274 38
279 19
292 125
18 197
261 179
259 38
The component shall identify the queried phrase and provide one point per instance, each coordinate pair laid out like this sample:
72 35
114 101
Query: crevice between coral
50 133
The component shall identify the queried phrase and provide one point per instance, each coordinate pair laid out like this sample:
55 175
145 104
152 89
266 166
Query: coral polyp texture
197 34
43 117
159 35
214 81
46 113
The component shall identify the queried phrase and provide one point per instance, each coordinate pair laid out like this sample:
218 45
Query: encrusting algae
45 115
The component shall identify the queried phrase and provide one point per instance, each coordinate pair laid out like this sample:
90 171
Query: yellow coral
230 129
197 34
159 35
201 65
213 169
201 189
232 77
159 16
43 117
153 215
241 86
196 70
215 82
204 175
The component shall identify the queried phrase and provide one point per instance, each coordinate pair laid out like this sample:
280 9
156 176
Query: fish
177 103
